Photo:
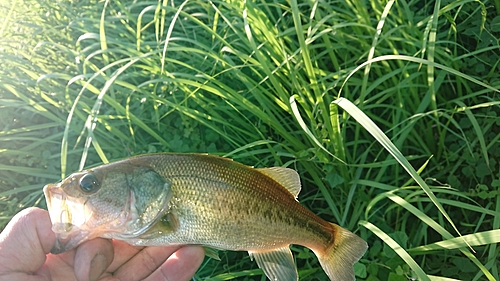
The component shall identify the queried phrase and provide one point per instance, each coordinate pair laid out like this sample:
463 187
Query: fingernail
97 267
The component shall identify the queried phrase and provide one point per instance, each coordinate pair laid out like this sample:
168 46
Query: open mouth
65 214
68 218
73 222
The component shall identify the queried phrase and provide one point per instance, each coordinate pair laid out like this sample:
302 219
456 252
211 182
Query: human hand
26 241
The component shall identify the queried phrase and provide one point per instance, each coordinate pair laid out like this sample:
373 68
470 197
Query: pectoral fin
167 224
278 264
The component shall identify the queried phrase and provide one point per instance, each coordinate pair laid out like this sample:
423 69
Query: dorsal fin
285 176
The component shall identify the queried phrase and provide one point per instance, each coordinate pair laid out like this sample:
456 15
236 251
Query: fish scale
204 200
234 204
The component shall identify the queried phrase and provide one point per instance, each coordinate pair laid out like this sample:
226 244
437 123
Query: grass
389 112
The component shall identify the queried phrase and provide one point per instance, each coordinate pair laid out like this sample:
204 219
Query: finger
92 258
181 266
25 241
144 263
123 253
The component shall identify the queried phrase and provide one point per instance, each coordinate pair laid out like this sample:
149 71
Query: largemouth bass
164 199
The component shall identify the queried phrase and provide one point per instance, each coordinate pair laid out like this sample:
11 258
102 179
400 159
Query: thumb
93 258
27 238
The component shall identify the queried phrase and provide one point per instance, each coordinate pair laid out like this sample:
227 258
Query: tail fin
338 259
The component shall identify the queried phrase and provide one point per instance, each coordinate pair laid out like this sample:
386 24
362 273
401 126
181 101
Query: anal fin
277 264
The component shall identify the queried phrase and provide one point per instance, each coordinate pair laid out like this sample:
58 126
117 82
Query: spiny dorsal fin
285 176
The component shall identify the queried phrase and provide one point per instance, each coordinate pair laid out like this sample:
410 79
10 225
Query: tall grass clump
30 126
387 109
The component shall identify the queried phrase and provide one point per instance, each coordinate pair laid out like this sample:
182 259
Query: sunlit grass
388 113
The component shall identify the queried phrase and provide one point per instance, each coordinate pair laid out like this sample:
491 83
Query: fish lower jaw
66 241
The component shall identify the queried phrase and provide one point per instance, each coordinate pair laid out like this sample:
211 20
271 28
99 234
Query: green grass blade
397 248
475 239
477 129
422 61
375 131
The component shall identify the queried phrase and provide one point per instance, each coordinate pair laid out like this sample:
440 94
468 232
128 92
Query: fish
200 199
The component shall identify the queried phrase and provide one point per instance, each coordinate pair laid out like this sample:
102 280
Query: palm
28 238
128 263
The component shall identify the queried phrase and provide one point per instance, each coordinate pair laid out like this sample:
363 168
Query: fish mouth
68 218
72 220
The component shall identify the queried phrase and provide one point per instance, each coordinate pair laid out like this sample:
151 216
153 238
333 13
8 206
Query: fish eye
89 184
